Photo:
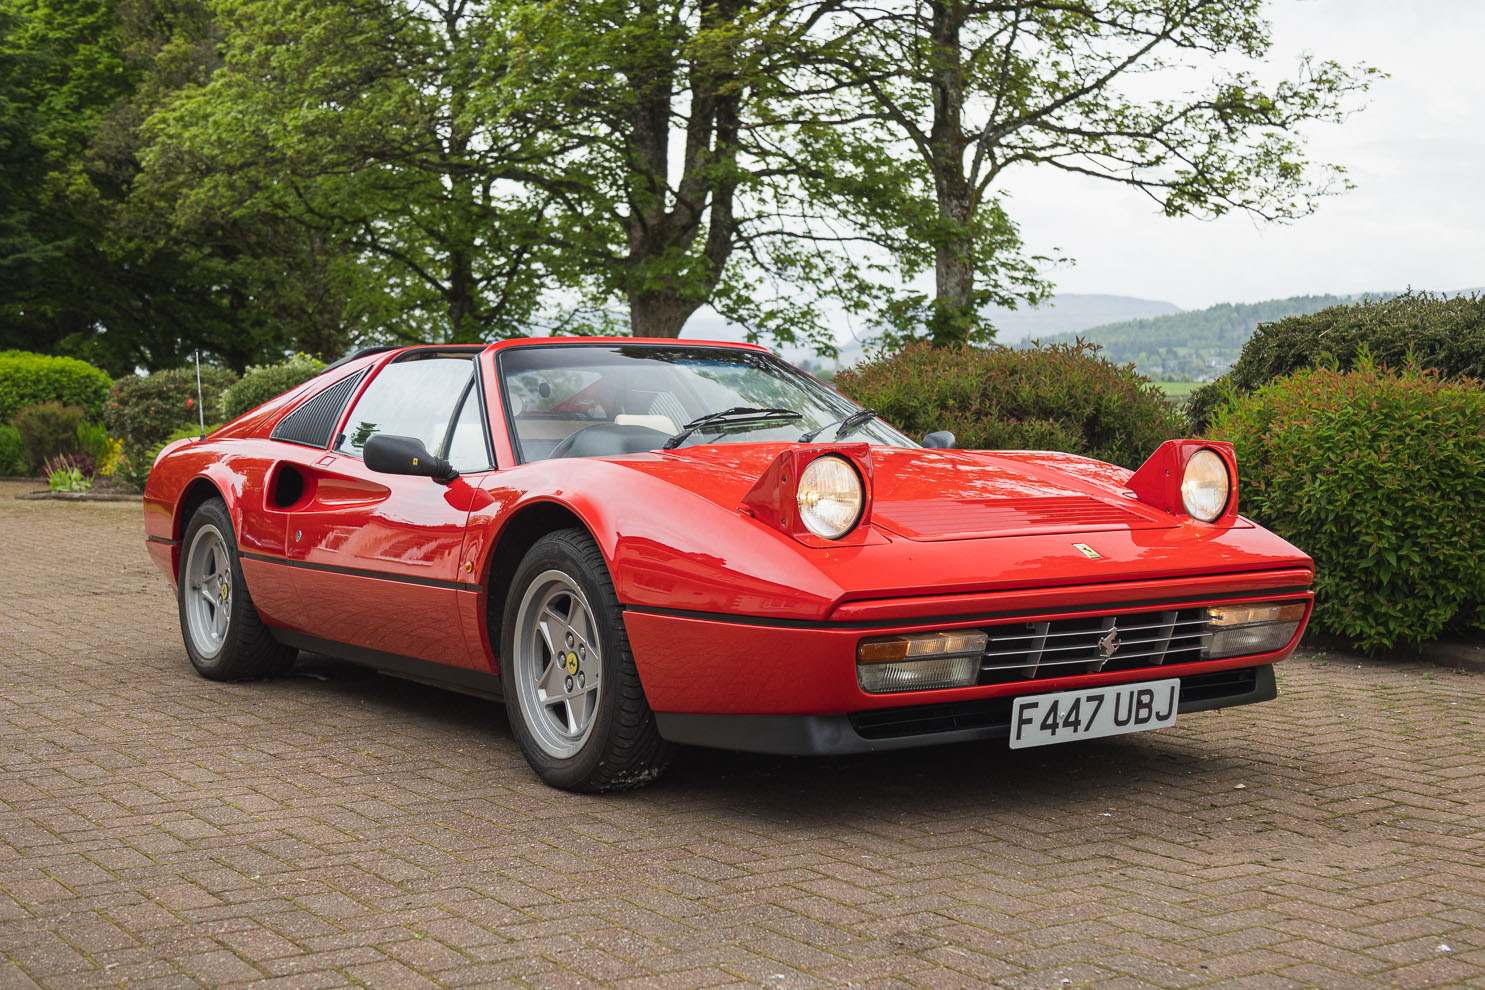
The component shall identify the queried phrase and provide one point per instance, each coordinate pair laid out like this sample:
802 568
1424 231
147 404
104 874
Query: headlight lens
1205 485
830 497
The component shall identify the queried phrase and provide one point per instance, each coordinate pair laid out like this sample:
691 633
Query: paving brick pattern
339 828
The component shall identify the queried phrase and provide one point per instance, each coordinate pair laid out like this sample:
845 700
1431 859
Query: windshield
575 400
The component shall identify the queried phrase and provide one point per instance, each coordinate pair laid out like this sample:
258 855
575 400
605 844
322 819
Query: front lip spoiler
835 735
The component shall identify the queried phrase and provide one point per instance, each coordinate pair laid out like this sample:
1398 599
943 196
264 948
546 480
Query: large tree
1156 95
83 269
355 121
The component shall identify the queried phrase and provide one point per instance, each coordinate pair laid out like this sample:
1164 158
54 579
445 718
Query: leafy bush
1062 397
29 379
1381 478
261 383
144 411
95 444
133 470
48 429
1445 334
12 451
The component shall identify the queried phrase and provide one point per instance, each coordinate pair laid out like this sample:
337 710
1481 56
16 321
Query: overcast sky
1416 154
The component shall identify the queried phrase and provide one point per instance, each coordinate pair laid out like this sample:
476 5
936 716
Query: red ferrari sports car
643 543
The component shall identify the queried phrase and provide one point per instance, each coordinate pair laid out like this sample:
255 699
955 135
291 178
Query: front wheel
225 639
573 695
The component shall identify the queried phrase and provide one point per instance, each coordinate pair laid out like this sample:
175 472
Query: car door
377 557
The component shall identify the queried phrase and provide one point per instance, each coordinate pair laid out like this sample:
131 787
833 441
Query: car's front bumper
789 685
922 725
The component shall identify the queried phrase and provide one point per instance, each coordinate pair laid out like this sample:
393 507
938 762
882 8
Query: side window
468 450
414 397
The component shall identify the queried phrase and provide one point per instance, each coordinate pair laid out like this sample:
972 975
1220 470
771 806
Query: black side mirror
390 454
941 440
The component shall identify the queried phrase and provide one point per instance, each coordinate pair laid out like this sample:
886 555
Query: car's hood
933 495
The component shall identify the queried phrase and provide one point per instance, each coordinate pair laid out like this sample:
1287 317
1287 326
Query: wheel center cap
222 592
571 662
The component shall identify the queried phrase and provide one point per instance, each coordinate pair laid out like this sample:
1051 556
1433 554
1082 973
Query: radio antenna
200 402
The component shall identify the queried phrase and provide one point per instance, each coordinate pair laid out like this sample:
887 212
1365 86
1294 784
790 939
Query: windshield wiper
737 414
850 424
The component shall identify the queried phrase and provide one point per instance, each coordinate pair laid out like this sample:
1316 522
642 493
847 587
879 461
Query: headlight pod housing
1205 485
830 497
817 494
1192 478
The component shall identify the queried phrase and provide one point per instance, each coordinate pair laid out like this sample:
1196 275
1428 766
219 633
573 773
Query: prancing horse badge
1087 551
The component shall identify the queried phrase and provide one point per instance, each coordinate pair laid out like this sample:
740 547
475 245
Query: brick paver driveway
340 828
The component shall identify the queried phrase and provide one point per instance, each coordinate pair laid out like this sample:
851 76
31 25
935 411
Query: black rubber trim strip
465 680
834 735
309 565
161 539
760 620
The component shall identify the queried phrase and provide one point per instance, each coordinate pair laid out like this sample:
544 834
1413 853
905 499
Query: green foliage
48 429
12 451
93 443
146 410
26 379
261 383
1442 333
1064 397
1380 478
65 473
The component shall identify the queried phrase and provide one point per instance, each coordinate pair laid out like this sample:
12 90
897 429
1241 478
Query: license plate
1043 719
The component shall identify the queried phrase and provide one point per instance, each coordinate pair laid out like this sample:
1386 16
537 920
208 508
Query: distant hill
1070 312
1200 344
1065 313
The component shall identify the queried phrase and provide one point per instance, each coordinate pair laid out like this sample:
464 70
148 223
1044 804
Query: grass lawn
1177 390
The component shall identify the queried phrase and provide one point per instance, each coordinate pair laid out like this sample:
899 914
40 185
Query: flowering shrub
144 411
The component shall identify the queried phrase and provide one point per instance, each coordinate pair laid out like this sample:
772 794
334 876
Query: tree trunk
953 316
665 290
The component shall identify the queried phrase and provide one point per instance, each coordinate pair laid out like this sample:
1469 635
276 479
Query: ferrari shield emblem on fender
1087 551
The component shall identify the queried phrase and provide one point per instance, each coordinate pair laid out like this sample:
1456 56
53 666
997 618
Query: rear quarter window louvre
311 423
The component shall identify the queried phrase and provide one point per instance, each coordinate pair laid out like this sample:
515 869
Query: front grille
1026 651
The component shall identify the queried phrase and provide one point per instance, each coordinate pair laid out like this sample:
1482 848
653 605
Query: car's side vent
312 422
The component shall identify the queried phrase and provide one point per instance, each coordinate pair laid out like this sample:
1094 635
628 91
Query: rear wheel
224 637
574 698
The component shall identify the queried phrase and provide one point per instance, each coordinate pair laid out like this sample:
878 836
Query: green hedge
1380 478
1062 397
259 384
1444 334
28 379
144 411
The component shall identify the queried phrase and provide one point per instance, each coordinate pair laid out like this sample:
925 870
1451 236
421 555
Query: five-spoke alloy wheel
574 698
224 637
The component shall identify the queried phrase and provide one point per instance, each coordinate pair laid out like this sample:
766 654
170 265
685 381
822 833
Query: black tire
224 637
613 743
